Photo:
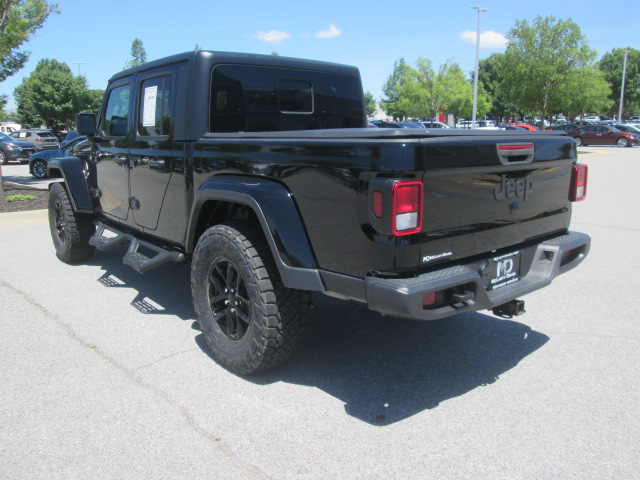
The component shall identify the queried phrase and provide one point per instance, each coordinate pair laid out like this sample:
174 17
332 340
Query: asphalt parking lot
105 374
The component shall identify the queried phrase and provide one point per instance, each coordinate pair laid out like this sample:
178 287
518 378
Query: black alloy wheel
39 168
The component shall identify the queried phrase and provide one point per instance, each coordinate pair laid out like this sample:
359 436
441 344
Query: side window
155 107
116 115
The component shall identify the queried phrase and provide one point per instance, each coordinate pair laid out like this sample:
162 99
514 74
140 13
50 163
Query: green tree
586 91
423 92
18 20
611 65
539 61
392 102
370 104
138 54
490 81
51 95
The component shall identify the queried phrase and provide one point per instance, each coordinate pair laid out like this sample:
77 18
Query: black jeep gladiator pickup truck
260 172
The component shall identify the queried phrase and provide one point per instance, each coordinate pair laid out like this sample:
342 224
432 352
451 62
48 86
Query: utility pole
475 77
624 74
78 63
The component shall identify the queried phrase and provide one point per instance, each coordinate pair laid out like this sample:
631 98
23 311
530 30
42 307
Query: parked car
381 124
603 135
78 147
40 139
510 127
623 127
14 150
564 127
434 125
526 126
71 135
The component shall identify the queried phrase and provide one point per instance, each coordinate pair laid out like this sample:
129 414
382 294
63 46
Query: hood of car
19 143
49 154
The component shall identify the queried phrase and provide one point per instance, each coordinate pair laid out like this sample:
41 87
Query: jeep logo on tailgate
520 188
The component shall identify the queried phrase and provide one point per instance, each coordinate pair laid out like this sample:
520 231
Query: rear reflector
578 190
429 299
377 203
407 208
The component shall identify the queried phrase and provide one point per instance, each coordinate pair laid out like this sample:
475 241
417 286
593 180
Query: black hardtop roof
210 58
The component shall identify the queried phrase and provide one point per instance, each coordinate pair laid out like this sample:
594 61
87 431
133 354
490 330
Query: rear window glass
46 134
249 98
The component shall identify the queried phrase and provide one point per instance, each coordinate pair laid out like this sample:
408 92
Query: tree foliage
51 96
423 92
540 60
370 103
611 66
392 101
138 54
18 20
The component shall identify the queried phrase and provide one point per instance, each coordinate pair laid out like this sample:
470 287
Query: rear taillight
578 190
407 208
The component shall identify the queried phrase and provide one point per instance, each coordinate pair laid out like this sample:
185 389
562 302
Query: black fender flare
72 170
281 223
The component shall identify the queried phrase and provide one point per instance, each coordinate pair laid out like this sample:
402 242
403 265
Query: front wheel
3 158
623 142
39 169
250 320
70 231
579 142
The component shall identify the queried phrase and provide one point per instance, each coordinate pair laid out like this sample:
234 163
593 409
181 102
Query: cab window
154 112
116 115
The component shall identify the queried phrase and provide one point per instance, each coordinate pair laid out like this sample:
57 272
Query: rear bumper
463 288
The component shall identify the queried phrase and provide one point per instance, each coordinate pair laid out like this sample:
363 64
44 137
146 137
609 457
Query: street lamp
624 74
475 79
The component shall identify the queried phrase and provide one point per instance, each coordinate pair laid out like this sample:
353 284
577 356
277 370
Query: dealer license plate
503 270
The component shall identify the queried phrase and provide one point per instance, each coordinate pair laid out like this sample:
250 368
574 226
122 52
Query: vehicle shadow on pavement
386 370
163 291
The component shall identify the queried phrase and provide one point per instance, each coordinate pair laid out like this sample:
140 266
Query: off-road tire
70 231
250 320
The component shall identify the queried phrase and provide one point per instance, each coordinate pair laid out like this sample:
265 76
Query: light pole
78 63
475 78
624 74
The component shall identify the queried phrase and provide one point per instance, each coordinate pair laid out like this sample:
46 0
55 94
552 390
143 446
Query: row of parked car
37 147
611 133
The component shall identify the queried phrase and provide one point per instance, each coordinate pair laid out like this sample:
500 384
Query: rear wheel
39 169
70 231
250 320
579 142
623 142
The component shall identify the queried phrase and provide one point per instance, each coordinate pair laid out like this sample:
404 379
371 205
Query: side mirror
86 124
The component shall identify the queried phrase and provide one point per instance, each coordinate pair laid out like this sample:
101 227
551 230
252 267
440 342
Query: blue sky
370 34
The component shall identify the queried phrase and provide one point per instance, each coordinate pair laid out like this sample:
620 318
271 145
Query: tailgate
484 194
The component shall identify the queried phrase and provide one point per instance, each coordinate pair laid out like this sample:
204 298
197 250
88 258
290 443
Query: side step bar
135 259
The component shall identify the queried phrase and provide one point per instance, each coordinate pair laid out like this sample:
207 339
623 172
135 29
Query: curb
25 218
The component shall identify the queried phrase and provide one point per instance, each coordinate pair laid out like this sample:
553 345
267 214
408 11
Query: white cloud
272 36
488 39
331 33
